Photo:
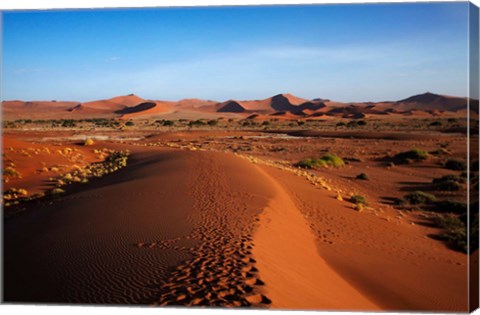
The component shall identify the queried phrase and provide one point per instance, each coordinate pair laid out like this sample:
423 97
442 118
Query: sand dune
277 103
112 105
423 105
127 100
144 235
197 104
390 264
146 109
35 109
206 228
296 276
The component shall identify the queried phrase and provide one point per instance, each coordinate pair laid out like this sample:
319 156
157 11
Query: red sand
203 228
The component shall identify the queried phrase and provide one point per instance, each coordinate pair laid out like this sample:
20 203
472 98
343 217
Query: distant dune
282 105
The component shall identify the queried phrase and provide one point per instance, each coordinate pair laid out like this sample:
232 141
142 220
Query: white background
47 4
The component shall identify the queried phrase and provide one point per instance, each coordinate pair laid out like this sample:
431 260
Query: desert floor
223 218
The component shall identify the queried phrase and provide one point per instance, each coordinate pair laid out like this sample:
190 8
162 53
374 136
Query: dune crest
296 276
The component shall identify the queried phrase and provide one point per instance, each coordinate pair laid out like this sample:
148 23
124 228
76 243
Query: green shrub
362 176
310 163
10 171
197 122
327 160
455 232
57 191
415 155
129 123
436 123
358 200
333 160
420 198
451 207
455 165
168 123
449 185
455 178
68 123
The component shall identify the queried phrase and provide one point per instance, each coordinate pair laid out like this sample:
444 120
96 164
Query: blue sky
342 52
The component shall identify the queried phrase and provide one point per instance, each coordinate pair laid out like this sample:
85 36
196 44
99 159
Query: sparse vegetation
68 123
412 155
446 206
333 160
166 123
358 200
57 191
129 123
420 198
196 123
114 160
11 172
310 163
455 165
325 161
363 176
88 142
455 231
449 185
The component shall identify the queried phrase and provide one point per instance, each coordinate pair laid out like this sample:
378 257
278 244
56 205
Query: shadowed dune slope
81 248
115 240
138 108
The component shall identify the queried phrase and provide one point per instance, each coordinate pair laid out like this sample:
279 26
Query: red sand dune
35 109
277 103
197 104
423 105
146 109
390 265
127 100
160 212
111 105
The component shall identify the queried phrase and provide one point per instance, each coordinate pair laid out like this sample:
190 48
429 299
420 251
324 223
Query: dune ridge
127 107
296 276
388 264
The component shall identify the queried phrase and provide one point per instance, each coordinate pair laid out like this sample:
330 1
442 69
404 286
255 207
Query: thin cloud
112 59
